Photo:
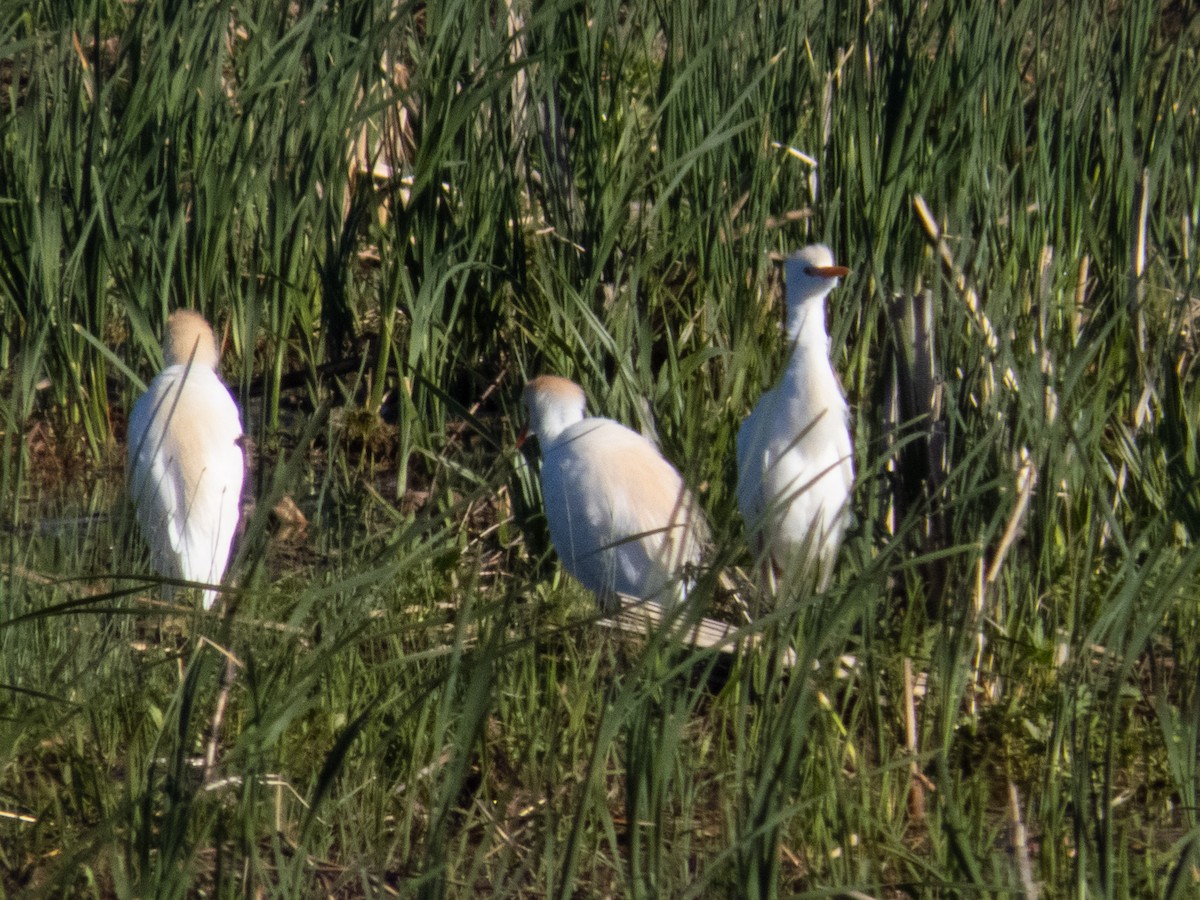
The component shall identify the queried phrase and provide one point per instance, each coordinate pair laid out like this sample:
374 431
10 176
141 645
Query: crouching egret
185 462
620 516
794 454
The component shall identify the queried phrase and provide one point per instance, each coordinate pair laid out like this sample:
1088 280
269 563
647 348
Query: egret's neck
808 381
806 324
552 423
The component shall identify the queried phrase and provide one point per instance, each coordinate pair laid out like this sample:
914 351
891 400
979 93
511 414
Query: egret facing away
795 462
620 516
185 462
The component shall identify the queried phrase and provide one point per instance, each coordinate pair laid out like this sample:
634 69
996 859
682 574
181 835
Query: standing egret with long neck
620 516
794 453
185 460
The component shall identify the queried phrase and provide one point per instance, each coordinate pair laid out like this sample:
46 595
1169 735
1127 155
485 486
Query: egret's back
186 469
620 515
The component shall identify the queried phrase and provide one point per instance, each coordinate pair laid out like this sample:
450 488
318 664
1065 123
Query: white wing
754 461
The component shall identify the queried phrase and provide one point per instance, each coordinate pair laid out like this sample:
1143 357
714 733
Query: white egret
185 461
794 454
620 516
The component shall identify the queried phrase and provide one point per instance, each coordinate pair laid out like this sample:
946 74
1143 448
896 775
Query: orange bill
827 271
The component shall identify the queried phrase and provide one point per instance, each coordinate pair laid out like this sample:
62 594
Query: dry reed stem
970 297
218 719
18 817
642 617
916 797
1147 399
1020 845
1026 481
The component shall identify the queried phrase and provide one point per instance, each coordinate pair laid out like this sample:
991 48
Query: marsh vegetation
396 213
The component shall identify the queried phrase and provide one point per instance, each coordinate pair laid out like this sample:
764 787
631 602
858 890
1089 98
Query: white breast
795 467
